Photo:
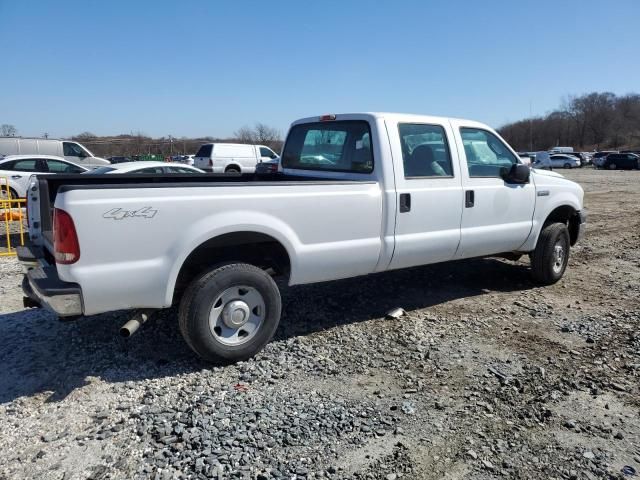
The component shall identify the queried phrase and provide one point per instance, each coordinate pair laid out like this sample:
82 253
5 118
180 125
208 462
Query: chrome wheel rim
558 258
236 315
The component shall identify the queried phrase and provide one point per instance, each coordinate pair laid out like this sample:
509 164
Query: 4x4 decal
119 213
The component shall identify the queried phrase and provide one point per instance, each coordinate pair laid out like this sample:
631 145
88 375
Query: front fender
544 207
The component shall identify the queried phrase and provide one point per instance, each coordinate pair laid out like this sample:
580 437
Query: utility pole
530 128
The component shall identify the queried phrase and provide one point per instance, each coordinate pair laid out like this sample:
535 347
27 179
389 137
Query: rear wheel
549 259
612 166
567 165
232 169
230 312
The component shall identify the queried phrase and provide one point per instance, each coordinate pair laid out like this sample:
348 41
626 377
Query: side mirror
518 173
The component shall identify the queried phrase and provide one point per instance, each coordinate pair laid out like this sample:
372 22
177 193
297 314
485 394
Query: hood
546 173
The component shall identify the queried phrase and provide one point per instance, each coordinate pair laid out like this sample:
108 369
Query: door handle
405 202
16 176
469 198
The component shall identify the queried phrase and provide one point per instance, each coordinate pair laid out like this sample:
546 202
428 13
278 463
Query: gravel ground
485 376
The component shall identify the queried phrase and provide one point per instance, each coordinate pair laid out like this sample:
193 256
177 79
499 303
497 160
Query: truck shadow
40 355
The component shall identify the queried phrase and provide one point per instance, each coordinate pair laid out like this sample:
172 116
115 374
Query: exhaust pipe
28 302
132 326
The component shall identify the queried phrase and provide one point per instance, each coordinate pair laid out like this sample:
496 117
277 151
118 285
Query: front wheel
612 166
549 259
230 312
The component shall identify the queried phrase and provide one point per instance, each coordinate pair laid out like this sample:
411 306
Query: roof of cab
405 117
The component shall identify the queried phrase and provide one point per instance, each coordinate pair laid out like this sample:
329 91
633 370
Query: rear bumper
42 285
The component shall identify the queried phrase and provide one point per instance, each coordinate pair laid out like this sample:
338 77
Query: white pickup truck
358 194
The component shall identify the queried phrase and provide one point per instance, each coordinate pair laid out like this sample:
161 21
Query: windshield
99 170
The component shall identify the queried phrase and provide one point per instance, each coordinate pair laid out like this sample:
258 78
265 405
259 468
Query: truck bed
51 185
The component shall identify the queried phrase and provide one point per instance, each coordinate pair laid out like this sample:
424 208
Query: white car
556 161
186 159
69 150
564 160
395 191
17 169
145 167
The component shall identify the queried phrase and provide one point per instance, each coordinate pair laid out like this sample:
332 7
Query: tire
612 166
12 193
547 263
232 170
567 165
215 304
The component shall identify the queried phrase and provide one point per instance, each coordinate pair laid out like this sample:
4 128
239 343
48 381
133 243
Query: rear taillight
65 240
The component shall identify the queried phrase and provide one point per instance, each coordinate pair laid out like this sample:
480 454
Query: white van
560 150
231 157
70 150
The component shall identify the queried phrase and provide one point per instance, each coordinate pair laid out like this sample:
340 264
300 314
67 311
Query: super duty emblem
119 213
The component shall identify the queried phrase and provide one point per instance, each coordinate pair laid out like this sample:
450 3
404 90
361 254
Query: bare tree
260 134
85 136
8 130
591 121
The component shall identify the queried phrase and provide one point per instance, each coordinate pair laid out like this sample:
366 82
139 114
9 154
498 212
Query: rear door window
204 151
149 170
425 151
342 146
173 169
26 165
56 166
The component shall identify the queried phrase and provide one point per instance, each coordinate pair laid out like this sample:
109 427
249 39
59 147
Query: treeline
595 121
140 144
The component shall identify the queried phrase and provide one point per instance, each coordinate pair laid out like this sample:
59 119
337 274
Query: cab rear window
343 146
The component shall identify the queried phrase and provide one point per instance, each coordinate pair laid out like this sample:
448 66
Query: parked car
17 169
615 161
564 161
145 167
396 191
231 157
580 156
268 166
119 159
186 159
69 150
600 157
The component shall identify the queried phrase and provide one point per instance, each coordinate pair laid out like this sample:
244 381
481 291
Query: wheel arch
251 246
568 215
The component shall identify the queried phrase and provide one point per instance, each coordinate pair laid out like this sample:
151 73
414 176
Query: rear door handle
469 198
16 176
405 202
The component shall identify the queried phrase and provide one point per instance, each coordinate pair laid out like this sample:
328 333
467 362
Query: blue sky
197 68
